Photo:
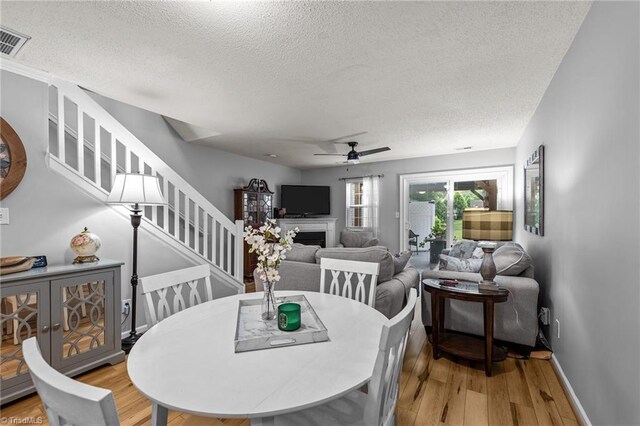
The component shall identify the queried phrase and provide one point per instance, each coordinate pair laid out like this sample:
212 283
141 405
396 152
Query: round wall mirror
13 159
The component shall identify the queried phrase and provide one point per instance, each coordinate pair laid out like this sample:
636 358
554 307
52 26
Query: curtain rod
360 177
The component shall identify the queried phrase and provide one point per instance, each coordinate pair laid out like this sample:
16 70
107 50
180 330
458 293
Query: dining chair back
67 401
343 273
377 406
163 293
383 387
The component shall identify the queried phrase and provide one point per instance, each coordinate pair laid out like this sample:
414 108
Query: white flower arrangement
270 247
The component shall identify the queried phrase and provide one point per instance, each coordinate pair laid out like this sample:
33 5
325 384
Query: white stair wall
91 147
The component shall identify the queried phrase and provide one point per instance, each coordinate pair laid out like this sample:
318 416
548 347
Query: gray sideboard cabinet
73 310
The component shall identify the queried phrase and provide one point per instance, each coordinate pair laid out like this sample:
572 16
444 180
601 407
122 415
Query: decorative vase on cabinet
253 205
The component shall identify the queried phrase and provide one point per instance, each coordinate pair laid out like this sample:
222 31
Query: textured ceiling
423 78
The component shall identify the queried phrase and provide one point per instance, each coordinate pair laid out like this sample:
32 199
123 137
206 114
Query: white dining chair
378 406
342 274
167 289
67 401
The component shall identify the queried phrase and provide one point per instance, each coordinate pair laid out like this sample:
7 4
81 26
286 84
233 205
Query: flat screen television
305 200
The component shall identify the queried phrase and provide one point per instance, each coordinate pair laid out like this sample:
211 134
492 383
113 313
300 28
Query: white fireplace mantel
318 224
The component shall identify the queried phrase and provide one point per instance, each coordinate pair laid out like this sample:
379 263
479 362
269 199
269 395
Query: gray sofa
357 239
515 320
301 271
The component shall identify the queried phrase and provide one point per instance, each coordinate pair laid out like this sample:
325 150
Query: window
362 203
355 214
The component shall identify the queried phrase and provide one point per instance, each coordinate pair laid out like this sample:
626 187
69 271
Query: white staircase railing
92 146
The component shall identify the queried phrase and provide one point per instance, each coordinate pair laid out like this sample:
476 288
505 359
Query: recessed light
271 155
422 192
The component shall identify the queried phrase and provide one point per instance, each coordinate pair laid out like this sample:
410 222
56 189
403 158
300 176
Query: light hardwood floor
442 392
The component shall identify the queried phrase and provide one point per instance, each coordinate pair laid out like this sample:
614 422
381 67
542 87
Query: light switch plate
4 216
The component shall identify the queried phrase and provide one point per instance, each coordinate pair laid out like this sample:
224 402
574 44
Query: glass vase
269 310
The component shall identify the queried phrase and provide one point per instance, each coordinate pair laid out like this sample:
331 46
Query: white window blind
362 203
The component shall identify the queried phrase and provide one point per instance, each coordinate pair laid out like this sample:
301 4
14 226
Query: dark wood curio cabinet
253 204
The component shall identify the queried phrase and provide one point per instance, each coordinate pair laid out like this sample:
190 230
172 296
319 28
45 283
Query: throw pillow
371 243
511 259
450 263
302 253
477 253
463 249
400 260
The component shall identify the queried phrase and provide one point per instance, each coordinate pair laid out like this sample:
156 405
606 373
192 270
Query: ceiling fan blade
341 155
374 151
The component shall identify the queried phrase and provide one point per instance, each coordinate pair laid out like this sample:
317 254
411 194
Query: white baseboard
140 330
583 419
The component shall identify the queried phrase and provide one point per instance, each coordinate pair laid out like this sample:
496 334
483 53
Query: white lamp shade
134 188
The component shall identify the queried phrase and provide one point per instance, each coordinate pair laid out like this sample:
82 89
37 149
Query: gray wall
46 210
587 262
390 184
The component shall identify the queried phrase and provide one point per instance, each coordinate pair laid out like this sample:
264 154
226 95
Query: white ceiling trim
24 70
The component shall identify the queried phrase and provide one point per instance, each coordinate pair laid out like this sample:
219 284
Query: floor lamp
135 190
489 226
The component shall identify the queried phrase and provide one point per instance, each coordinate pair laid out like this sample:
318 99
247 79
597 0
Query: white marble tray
253 333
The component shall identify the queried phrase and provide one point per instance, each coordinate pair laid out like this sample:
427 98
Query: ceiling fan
353 156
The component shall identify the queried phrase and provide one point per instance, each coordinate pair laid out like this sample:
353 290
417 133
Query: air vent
11 41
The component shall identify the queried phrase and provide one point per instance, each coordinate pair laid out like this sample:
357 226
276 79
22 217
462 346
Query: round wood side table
464 346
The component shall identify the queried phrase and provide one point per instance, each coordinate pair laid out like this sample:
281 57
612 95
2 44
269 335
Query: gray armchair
515 320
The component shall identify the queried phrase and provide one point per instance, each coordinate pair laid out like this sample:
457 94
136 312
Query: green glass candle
289 316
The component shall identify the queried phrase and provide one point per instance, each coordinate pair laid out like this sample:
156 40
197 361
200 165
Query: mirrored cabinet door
83 308
25 314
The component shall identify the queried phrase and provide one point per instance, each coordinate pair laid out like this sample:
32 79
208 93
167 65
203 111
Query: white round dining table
188 363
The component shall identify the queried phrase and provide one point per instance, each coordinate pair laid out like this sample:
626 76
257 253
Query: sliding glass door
428 205
431 204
